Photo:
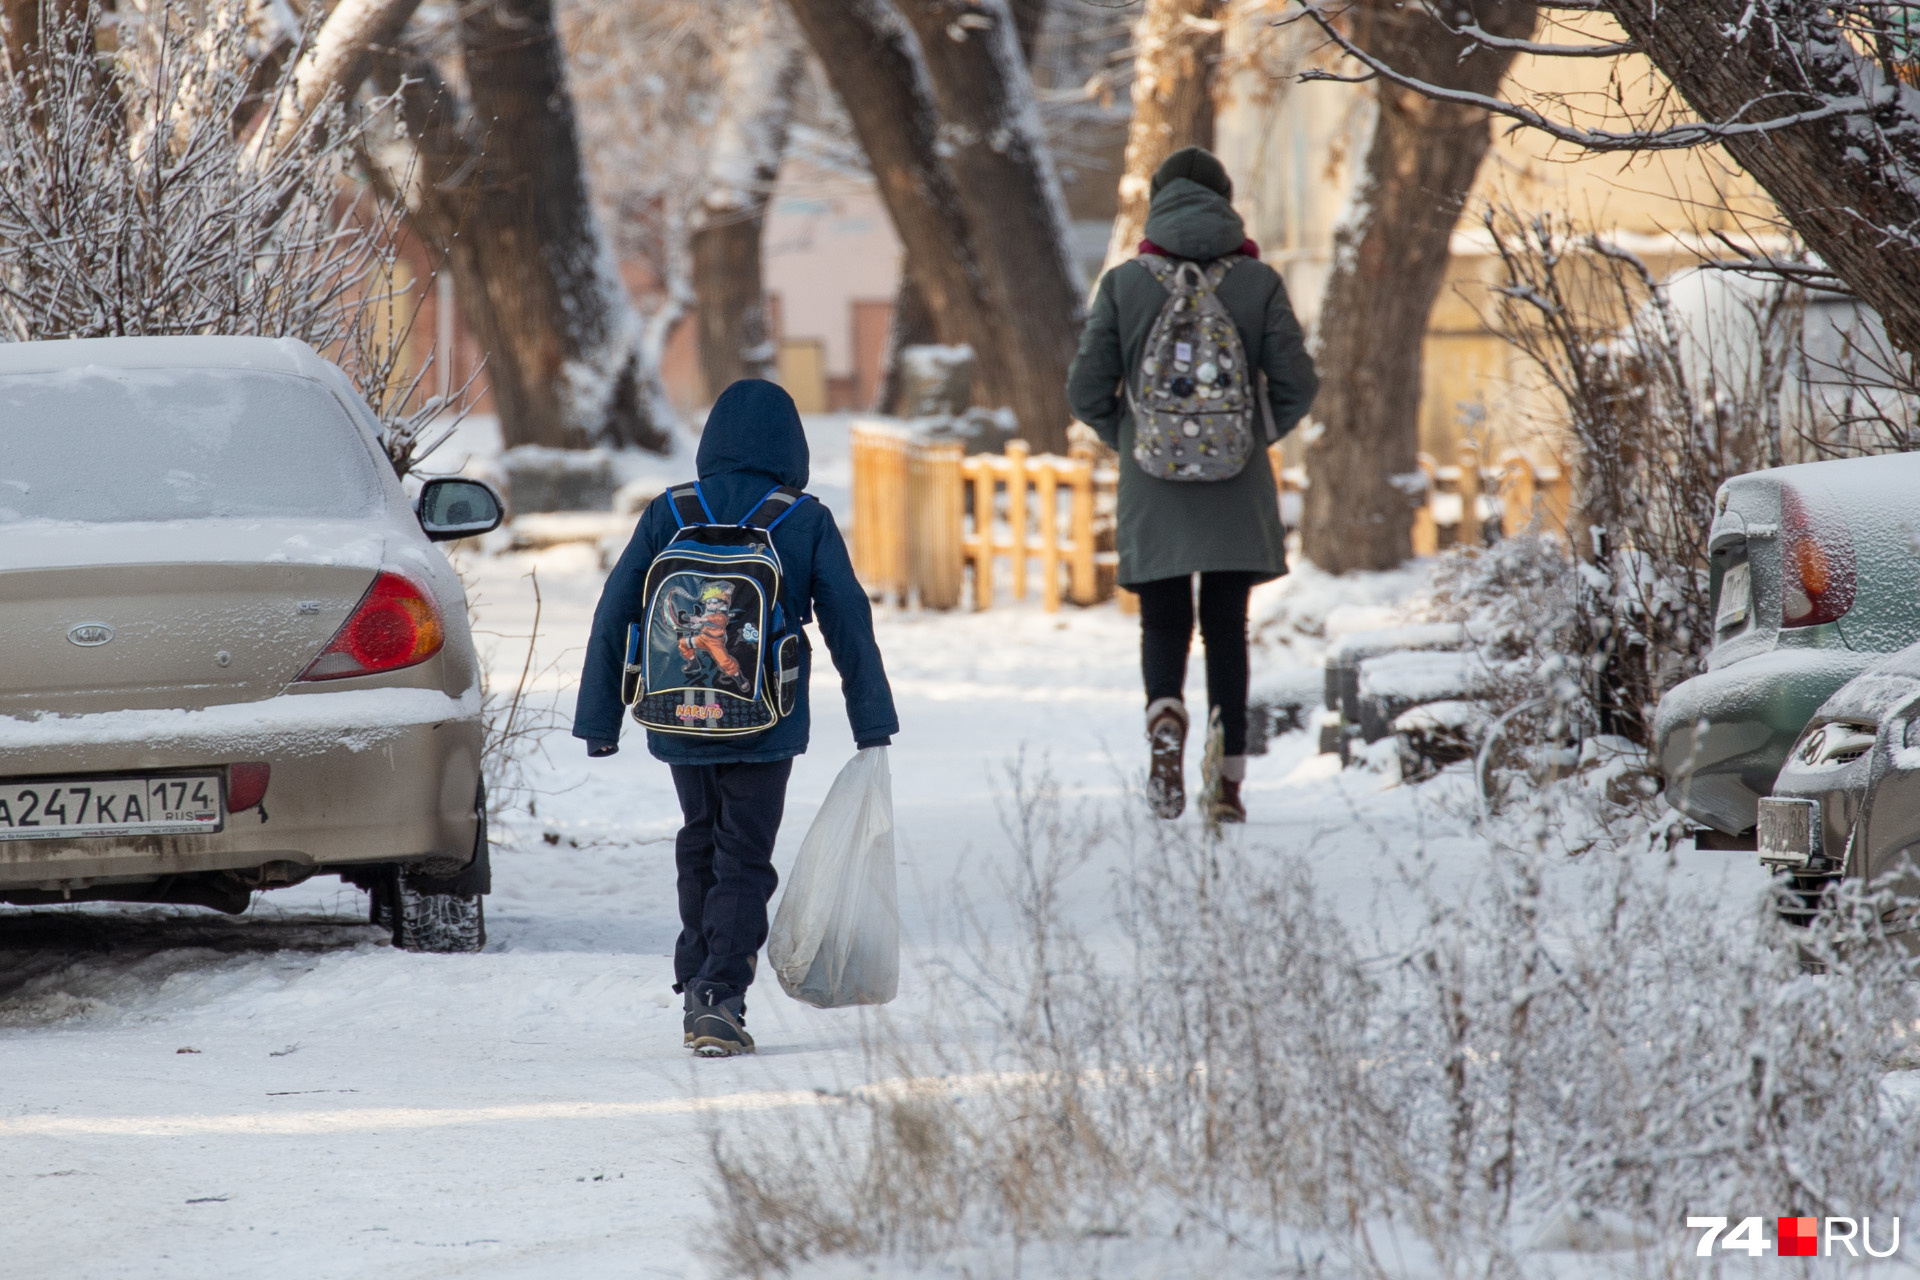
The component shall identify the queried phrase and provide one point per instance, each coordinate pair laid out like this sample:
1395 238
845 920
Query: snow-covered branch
1677 137
333 62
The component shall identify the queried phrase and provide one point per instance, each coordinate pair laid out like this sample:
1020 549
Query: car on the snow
1847 801
230 656
1815 576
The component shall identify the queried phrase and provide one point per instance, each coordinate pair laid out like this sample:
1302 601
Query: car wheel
443 914
446 923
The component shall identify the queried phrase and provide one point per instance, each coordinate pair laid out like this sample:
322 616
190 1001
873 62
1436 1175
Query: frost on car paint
1722 736
106 445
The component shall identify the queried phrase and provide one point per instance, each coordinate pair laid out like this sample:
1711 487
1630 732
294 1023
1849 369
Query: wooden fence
925 512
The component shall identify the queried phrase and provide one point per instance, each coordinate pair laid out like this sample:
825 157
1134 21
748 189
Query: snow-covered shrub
1563 1053
1655 429
159 175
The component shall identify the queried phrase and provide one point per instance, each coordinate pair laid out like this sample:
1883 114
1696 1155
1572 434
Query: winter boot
714 1028
1228 806
1167 747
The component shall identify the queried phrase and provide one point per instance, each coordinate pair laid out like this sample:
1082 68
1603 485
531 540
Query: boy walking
733 790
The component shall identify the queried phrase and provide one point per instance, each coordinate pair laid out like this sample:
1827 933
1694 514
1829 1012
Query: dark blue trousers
724 854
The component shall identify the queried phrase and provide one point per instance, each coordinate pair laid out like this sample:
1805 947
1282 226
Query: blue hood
754 430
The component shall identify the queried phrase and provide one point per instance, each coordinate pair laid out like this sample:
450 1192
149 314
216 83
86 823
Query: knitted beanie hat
1196 164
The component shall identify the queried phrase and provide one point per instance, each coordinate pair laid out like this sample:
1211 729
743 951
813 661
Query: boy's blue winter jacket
753 441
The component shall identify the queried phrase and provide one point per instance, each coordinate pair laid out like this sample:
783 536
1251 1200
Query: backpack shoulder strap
779 503
689 507
1217 269
1159 266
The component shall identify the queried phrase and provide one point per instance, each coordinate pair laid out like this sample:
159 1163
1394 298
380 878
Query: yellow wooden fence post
935 546
1469 534
1516 493
1017 451
1426 534
1083 582
982 544
1046 493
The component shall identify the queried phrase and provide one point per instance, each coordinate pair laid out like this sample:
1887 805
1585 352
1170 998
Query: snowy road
282 1094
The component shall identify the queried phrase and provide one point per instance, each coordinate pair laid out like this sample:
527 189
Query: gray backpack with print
1193 397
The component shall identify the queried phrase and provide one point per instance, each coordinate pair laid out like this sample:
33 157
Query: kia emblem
90 634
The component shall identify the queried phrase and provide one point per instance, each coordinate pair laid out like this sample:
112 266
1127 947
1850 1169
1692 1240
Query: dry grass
1257 1084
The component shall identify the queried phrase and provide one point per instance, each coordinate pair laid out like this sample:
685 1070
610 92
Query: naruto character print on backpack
1193 408
714 654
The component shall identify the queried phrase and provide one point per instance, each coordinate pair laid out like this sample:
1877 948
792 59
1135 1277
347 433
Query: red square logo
1798 1238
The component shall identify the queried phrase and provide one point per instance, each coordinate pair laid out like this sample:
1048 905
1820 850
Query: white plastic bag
836 937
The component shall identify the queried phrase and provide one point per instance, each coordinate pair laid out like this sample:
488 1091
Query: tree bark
993 143
876 71
1850 186
1028 17
911 326
763 73
1177 46
1390 258
500 190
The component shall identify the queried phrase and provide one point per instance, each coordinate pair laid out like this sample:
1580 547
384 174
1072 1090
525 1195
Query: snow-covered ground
282 1094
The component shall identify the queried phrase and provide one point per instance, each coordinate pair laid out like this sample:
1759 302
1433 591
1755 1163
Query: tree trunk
501 192
763 72
1850 186
1028 17
913 323
875 69
993 143
911 326
1177 46
1390 259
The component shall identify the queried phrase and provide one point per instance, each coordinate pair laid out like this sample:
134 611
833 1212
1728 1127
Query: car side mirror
455 507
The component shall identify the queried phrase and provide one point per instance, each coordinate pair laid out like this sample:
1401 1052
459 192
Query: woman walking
1161 378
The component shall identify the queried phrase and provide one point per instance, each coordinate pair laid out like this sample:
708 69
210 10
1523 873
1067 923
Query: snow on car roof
270 355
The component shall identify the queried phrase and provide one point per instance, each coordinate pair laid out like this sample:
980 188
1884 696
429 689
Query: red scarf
1247 248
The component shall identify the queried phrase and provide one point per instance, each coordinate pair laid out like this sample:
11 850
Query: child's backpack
1193 398
716 652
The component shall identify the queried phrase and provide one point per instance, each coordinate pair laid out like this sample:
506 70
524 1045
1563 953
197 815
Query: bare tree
992 141
1177 47
873 63
1811 97
764 66
1390 257
496 183
136 198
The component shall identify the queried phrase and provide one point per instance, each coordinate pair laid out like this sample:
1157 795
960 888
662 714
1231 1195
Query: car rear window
111 445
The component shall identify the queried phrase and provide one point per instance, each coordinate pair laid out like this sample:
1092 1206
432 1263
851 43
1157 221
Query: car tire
445 915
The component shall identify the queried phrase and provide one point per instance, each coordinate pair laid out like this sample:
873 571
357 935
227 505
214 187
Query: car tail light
395 625
246 785
1816 569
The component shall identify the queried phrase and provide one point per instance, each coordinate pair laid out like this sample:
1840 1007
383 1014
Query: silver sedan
230 656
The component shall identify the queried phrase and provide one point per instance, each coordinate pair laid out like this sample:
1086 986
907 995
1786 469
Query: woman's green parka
1169 528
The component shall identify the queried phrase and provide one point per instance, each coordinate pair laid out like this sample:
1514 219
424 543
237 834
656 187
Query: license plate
1789 831
75 808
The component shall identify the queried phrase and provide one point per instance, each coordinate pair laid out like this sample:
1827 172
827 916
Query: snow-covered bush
1654 430
1561 1054
159 175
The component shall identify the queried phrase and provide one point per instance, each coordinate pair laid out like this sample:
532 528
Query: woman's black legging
1166 633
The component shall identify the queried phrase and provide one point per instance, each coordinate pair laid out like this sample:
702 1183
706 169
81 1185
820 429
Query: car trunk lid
131 617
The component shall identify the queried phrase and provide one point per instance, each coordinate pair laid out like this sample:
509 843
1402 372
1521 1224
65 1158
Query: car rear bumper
1722 737
359 775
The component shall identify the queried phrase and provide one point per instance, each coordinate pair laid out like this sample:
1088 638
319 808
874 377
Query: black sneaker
715 1030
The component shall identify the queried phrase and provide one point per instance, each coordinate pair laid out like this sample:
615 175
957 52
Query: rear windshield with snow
111 445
